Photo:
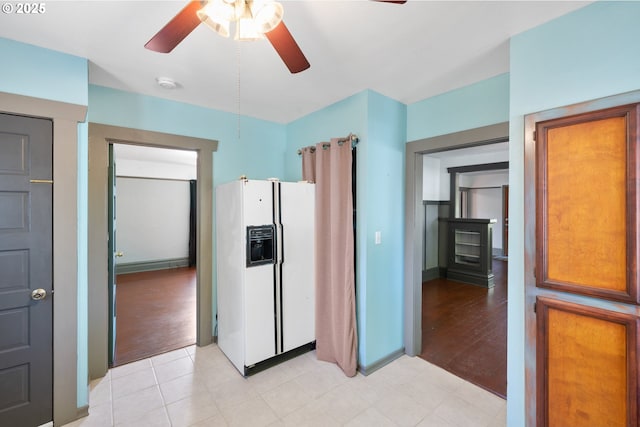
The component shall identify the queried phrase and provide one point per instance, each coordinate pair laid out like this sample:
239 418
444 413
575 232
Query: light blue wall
257 149
380 123
588 54
382 164
480 104
337 120
42 73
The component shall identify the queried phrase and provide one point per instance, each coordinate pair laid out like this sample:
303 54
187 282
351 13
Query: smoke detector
166 83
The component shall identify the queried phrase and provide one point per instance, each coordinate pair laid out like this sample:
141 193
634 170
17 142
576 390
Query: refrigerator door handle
280 243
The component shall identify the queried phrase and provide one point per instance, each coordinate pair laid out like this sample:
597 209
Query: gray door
26 336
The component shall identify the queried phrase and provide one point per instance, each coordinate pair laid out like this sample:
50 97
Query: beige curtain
336 332
309 164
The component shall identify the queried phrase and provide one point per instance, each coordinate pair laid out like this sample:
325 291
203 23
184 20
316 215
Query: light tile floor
199 387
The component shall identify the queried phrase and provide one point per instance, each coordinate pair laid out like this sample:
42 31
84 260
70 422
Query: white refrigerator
265 270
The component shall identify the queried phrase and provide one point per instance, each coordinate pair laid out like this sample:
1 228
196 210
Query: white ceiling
408 52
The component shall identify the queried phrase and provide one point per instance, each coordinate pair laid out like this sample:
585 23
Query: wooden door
581 211
26 281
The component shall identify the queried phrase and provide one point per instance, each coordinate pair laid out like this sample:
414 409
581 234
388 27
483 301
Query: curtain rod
481 188
353 138
154 178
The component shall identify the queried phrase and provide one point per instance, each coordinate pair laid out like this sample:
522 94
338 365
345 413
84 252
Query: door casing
100 136
66 117
505 220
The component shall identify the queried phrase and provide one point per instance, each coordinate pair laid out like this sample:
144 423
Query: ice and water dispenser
260 245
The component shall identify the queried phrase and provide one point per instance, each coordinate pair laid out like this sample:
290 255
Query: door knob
119 254
38 294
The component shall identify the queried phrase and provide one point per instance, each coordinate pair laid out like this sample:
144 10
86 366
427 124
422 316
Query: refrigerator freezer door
230 243
298 275
260 323
259 287
257 200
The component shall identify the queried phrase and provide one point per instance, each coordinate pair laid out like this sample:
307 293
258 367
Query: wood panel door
581 265
26 273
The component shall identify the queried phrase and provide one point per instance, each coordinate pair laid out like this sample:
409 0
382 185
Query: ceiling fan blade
177 29
392 1
283 42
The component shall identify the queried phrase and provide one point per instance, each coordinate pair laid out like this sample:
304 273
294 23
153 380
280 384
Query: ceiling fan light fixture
266 14
247 30
217 14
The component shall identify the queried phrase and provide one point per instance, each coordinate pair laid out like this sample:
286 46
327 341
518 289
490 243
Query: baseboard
430 274
484 280
82 411
366 370
162 264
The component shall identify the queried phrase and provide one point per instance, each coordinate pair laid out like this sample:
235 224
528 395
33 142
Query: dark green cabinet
470 242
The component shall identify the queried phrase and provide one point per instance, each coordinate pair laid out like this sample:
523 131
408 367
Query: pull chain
238 106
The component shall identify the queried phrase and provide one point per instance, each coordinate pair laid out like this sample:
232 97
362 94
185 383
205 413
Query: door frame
413 205
66 117
100 136
505 220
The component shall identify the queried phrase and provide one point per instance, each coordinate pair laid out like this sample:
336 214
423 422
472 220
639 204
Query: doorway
153 267
464 314
413 211
100 136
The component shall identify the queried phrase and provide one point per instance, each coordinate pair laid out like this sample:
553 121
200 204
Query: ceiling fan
253 19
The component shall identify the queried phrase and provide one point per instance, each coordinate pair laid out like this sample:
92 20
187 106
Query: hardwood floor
155 313
464 329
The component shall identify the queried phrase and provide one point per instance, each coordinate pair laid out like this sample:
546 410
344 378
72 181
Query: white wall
487 202
152 219
152 202
485 179
431 178
435 178
466 160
